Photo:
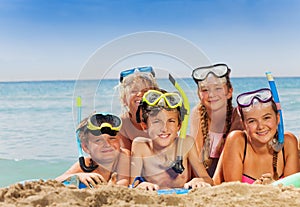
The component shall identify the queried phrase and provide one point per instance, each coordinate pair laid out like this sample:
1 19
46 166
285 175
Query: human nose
211 93
106 143
164 127
260 124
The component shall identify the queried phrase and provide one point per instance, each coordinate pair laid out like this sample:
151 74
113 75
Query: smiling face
103 148
131 89
163 127
260 121
214 93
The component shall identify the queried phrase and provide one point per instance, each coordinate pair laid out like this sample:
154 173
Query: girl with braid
214 117
255 155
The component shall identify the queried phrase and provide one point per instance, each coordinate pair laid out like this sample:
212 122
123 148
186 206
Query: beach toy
276 146
172 191
293 180
177 166
74 180
80 151
161 191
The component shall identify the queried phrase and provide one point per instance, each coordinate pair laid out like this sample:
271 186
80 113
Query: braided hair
207 161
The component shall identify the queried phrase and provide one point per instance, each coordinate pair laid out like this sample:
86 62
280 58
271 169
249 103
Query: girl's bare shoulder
236 138
290 139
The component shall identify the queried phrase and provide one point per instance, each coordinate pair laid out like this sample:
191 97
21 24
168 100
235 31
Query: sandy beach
51 193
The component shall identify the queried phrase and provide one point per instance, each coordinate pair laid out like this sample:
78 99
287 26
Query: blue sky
53 39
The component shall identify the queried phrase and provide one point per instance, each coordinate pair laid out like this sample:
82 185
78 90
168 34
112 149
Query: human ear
85 147
179 126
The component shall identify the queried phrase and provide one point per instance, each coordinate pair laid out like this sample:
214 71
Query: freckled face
214 96
261 122
163 128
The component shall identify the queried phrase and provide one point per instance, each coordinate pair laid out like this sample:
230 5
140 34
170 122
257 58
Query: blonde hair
132 79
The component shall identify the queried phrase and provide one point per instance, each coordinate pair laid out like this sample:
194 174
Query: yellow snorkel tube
83 166
177 166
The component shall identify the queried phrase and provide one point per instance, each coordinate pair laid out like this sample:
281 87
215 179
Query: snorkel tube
277 146
80 151
177 166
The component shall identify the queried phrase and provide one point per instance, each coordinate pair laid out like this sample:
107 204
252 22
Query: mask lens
262 95
219 70
152 97
147 69
173 100
104 124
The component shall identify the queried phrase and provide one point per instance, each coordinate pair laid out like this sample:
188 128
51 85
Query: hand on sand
91 179
196 183
148 186
265 179
113 179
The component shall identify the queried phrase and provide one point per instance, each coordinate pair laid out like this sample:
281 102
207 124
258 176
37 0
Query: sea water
38 119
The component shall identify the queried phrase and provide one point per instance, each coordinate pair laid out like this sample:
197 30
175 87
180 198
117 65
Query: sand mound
51 193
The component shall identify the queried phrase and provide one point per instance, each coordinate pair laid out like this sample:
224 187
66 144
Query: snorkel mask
154 99
147 69
98 124
249 99
218 70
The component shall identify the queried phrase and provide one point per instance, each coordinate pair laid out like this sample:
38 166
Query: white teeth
262 133
163 135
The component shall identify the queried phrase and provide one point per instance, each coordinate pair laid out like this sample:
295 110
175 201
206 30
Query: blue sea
38 118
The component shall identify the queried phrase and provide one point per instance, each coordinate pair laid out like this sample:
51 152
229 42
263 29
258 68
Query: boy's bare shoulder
141 145
141 140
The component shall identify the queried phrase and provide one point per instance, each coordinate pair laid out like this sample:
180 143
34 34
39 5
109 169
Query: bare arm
87 178
218 177
196 132
75 168
138 146
291 154
123 168
196 164
232 164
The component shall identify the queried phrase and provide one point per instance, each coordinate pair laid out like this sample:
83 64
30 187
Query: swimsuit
248 179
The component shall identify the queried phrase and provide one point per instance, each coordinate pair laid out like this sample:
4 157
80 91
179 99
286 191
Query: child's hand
265 179
113 179
91 179
148 186
196 183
